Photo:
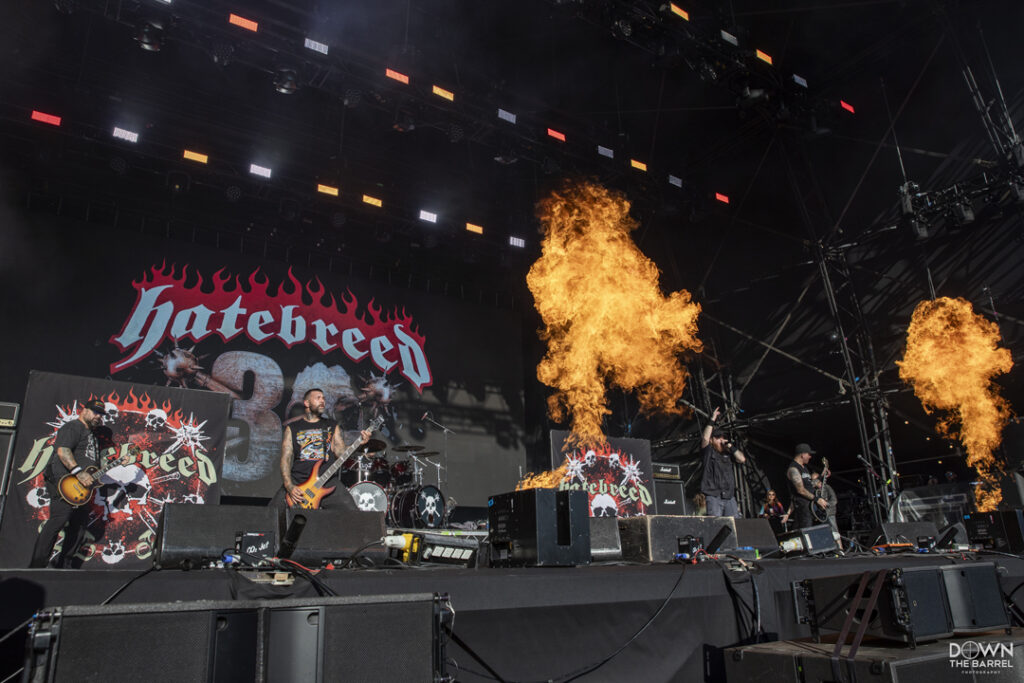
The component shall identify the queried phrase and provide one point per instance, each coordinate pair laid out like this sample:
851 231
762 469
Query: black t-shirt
80 440
311 443
718 479
805 475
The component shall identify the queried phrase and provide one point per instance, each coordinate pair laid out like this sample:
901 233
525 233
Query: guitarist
309 439
77 448
822 488
801 489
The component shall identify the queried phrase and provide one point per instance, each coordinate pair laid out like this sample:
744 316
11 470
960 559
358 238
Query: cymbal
372 446
408 448
425 454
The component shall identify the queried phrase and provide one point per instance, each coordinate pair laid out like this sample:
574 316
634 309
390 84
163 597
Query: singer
719 481
307 440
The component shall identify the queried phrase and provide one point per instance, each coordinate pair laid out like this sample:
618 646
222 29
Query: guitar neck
341 460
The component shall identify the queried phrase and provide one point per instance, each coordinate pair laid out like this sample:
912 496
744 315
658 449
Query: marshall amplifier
9 415
669 497
664 470
539 528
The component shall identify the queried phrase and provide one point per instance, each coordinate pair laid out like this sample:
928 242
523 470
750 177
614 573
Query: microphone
291 536
718 540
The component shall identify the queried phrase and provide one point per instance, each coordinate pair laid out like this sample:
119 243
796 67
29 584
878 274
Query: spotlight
800 80
316 46
606 151
149 34
286 81
675 180
428 216
517 242
127 135
261 171
506 116
472 227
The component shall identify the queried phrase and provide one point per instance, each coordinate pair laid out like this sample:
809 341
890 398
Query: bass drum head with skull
369 497
420 507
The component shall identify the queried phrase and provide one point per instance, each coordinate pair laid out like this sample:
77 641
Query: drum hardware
427 417
373 446
408 448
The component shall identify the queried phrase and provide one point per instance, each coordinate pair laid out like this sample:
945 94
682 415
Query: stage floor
527 624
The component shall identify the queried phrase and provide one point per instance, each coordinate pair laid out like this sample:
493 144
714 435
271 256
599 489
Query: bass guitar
313 489
819 513
76 493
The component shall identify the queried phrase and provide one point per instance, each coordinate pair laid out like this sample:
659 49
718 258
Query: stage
530 623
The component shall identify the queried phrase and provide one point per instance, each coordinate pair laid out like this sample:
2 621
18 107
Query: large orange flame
952 356
606 321
545 480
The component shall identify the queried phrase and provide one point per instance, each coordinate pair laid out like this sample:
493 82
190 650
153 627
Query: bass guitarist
801 491
308 440
77 448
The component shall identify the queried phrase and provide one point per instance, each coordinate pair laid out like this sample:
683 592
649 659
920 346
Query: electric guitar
819 513
312 489
76 493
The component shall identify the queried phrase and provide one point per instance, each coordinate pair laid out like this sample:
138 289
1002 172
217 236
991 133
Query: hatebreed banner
173 442
617 476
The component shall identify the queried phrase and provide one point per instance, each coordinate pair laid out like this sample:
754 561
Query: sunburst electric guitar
76 493
313 489
819 513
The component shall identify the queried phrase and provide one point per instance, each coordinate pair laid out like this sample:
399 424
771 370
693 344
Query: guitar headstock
375 423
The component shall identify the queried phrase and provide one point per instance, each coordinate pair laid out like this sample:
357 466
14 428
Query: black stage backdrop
617 476
152 311
178 437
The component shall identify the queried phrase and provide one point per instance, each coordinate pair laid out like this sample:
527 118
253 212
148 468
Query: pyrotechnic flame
544 480
606 321
952 356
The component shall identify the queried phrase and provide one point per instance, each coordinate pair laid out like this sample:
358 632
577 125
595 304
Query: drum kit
397 488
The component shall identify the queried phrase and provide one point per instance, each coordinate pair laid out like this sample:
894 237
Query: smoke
952 356
606 321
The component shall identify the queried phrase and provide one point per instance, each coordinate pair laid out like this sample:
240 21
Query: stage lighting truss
960 204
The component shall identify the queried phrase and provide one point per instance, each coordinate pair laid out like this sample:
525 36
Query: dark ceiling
806 180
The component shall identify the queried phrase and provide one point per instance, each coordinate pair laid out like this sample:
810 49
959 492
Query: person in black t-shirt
308 440
801 490
719 481
76 449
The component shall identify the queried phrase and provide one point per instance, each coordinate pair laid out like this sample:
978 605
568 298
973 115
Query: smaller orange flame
544 480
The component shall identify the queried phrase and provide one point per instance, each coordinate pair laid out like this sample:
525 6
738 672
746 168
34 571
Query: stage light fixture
963 212
261 171
638 165
327 189
506 116
149 34
123 134
43 117
316 46
242 22
678 11
556 135
428 216
441 92
517 242
724 198
353 96
196 156
800 80
673 180
730 38
286 81
478 229
396 76
606 151
847 106
372 201
763 56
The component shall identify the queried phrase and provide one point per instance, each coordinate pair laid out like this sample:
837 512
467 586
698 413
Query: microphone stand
430 418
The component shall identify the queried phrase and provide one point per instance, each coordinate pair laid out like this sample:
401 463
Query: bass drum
369 497
417 507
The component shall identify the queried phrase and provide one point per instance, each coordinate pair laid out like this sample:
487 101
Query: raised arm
705 437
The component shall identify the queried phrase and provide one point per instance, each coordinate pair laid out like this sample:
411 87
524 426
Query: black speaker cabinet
912 605
1001 530
539 527
657 538
190 536
670 497
904 532
321 639
335 534
756 533
604 539
975 597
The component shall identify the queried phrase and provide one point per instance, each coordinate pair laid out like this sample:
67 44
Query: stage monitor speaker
604 539
1002 530
975 597
670 497
318 639
756 533
335 534
659 538
904 532
539 528
192 536
912 605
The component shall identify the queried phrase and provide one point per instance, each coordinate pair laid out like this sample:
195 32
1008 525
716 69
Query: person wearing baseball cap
802 494
718 483
76 449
